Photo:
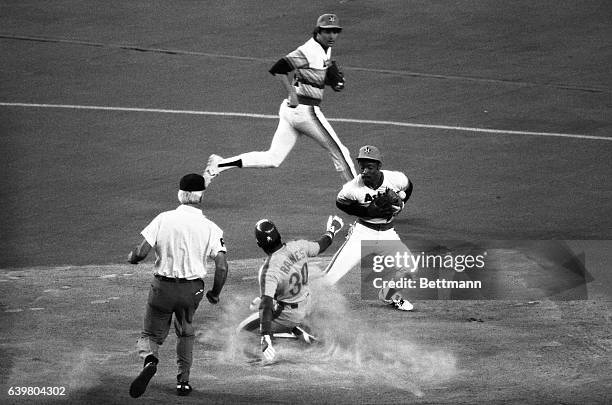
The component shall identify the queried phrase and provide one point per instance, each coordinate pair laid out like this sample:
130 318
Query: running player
373 223
299 113
283 282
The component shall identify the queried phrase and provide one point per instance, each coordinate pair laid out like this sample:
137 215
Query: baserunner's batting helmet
266 234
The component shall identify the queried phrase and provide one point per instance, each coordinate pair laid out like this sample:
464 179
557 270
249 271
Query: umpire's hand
212 298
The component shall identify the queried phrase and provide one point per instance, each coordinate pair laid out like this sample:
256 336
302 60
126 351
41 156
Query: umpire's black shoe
183 388
139 385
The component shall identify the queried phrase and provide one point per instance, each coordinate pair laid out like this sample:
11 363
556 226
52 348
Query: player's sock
389 295
227 163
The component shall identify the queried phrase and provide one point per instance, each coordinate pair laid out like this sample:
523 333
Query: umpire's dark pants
167 297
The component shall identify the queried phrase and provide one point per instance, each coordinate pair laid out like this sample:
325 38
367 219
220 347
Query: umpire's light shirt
182 239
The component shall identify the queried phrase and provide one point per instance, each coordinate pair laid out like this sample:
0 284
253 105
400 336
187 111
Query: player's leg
290 319
279 323
347 257
282 143
303 332
250 324
391 245
301 329
247 337
319 129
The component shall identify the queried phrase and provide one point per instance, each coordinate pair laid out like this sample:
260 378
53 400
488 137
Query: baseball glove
334 77
389 201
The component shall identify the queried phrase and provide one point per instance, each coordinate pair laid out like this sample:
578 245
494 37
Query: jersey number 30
296 282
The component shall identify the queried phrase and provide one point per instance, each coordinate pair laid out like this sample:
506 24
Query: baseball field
500 112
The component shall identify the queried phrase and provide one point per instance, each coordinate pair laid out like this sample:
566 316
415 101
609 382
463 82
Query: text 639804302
37 391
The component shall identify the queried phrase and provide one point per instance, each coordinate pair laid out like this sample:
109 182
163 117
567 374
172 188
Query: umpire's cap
329 21
266 234
192 182
370 152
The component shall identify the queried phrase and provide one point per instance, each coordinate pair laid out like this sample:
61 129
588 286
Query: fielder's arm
408 191
139 252
358 210
281 69
220 277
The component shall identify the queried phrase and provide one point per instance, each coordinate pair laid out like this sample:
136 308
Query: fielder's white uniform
310 62
377 230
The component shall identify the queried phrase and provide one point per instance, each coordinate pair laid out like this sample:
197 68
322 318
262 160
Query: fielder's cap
192 182
328 21
369 152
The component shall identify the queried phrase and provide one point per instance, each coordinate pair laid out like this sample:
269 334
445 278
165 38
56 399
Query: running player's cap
266 234
192 182
369 152
329 21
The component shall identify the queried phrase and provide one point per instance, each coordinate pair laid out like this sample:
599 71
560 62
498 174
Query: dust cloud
354 347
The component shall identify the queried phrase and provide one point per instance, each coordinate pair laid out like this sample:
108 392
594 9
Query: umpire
182 238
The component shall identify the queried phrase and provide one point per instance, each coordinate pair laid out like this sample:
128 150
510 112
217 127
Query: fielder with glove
375 197
304 73
334 78
283 283
387 204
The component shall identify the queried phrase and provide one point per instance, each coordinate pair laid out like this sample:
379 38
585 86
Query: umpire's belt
173 280
308 100
286 304
376 227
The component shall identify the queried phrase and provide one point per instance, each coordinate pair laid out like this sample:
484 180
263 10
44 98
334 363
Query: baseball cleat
383 295
302 333
183 388
403 305
212 169
139 385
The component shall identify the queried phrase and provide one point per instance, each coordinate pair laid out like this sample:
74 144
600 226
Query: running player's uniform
284 277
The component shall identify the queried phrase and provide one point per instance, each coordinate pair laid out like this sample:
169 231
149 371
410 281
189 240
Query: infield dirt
76 327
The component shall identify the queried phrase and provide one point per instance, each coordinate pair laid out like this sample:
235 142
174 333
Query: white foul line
136 109
348 120
471 129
